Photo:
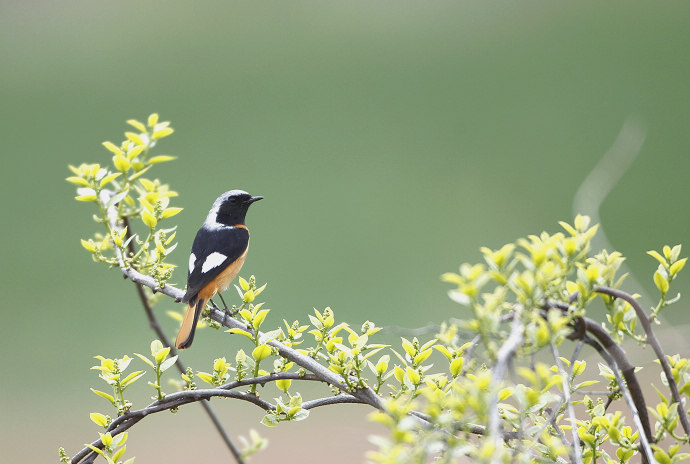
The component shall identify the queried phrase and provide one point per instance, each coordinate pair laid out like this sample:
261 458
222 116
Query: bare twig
656 346
575 454
504 356
177 399
647 454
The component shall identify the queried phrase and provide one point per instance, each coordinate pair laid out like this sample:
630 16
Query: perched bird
218 253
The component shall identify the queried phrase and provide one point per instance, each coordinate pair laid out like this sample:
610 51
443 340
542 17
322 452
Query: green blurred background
390 139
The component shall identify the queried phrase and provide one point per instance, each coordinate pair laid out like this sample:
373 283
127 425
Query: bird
218 253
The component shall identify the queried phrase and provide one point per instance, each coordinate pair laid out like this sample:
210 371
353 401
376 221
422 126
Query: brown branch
647 455
177 399
656 346
584 325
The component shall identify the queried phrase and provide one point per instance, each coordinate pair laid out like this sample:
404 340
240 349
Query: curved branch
367 395
177 399
656 346
584 325
337 399
648 456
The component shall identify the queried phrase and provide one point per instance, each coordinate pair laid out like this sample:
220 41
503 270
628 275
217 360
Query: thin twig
503 357
177 399
575 455
647 455
656 346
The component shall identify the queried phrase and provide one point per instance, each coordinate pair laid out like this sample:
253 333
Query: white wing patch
215 259
192 260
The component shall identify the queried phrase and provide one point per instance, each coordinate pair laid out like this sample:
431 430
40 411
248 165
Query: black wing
209 248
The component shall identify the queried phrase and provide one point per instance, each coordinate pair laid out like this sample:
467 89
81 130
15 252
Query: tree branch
575 455
647 454
656 346
504 356
177 399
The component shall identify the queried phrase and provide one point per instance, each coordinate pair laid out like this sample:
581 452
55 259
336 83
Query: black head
231 207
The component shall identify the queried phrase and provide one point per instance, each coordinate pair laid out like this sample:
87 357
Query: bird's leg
225 309
224 303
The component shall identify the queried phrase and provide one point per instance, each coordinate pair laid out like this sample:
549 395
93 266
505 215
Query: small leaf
657 256
92 198
269 420
78 181
136 138
134 152
152 119
145 359
110 146
170 212
283 384
99 419
117 198
131 378
104 395
148 219
161 158
208 378
121 163
456 366
165 365
160 133
241 332
118 454
661 282
261 352
90 245
677 266
137 125
109 178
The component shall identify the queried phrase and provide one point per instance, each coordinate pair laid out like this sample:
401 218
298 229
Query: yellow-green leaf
137 125
208 378
99 419
121 163
78 181
170 212
160 133
134 152
148 185
261 352
86 198
284 384
241 332
153 119
456 366
89 245
148 219
134 137
677 266
161 158
112 148
107 179
654 254
661 282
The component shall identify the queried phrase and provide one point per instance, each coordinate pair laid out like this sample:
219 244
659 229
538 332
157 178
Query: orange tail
186 334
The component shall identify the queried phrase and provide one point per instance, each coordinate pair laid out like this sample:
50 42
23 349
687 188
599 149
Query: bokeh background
390 139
